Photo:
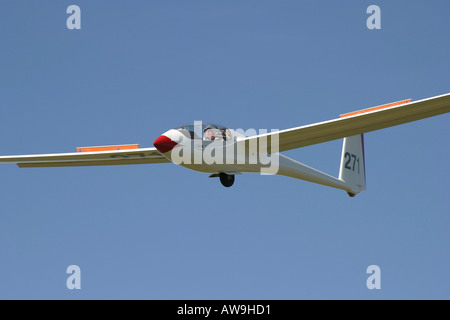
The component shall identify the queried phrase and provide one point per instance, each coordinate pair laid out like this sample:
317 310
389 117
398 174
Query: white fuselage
231 157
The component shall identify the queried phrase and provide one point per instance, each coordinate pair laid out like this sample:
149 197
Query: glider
224 153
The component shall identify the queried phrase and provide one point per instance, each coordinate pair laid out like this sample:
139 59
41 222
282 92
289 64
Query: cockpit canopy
205 131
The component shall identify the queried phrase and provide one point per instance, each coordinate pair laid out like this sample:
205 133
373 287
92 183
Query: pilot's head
209 134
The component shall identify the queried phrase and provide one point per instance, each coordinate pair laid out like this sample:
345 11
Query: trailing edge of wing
99 158
353 124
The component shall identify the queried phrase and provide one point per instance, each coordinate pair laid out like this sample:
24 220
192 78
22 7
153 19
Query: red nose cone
164 144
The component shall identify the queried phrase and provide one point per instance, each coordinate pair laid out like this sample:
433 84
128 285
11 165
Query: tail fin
352 171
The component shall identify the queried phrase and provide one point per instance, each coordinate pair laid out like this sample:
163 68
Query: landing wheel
226 179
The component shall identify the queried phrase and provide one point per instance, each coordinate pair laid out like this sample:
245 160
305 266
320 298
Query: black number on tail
348 157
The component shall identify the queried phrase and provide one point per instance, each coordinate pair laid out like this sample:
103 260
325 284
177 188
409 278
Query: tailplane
353 170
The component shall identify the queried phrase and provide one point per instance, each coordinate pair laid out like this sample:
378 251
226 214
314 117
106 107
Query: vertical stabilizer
353 170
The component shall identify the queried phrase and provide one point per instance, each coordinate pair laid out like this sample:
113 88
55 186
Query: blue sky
138 68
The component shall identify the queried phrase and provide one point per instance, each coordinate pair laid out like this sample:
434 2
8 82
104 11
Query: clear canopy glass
205 131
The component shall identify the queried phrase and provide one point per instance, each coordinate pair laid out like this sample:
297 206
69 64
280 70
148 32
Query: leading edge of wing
354 124
98 158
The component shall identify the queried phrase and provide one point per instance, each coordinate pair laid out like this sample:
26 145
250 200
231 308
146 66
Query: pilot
225 134
209 134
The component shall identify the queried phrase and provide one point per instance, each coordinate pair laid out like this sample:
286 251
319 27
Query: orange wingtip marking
109 148
393 104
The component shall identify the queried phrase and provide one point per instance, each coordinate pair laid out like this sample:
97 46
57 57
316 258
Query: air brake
108 148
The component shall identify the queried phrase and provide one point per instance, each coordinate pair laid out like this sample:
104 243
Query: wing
353 123
86 157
